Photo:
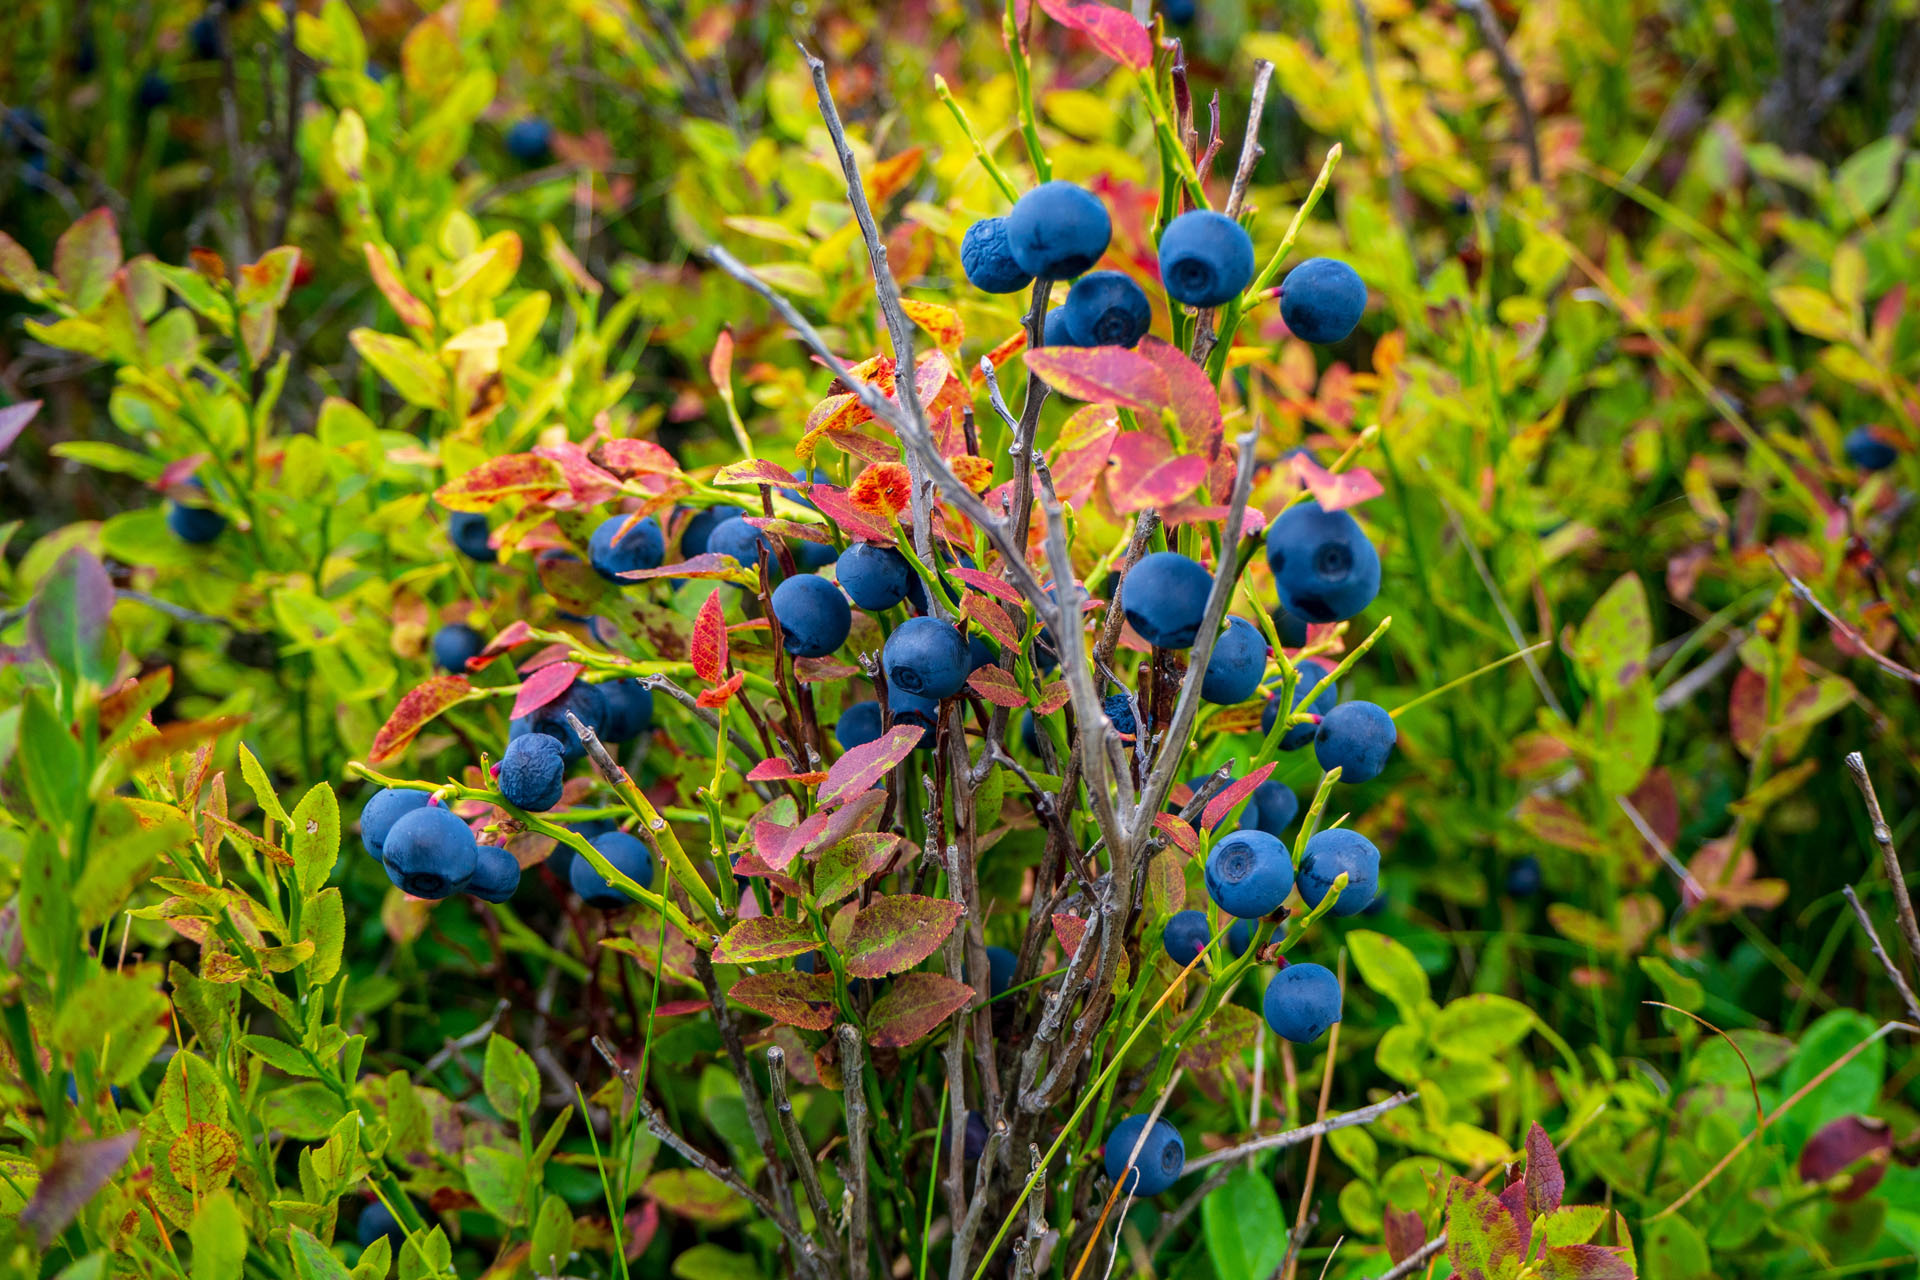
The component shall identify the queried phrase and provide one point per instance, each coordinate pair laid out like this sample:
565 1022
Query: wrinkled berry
533 769
987 258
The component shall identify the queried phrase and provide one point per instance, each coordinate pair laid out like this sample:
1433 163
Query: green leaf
1571 1224
765 938
1850 1090
262 787
1676 988
497 1177
1675 1251
117 1016
280 1055
304 1111
1245 1231
67 620
118 866
314 841
1481 1235
1390 969
1623 726
1617 634
1402 1054
894 933
1357 1149
324 924
552 1236
417 376
711 1262
85 257
1813 312
1480 1026
697 1194
1866 178
512 1081
426 1256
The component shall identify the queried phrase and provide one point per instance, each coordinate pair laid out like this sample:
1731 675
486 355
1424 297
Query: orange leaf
975 473
412 312
942 323
721 694
720 363
883 489
514 475
885 179
707 650
420 705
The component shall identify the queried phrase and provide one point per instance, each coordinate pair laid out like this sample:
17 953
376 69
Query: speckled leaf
1405 1233
1109 375
697 1194
796 999
1481 1235
896 932
1546 1182
636 458
855 523
765 938
1052 697
1167 882
779 770
942 324
1556 823
543 686
882 491
865 765
708 648
1226 1035
913 1006
992 619
1232 794
420 705
848 864
1617 634
85 257
754 471
1068 930
1176 829
1583 1262
707 565
997 687
515 475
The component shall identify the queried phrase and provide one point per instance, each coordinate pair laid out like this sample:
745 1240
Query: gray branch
1306 1133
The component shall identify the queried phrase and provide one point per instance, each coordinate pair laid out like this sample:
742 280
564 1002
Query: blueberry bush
1207 640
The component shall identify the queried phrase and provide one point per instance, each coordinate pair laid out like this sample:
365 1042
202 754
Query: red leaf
914 1005
1194 399
990 618
1113 31
1583 1262
707 650
819 670
721 694
543 687
859 525
754 471
708 564
778 770
1110 375
421 704
1166 484
765 938
997 687
1335 492
882 491
1070 930
1405 1233
1174 828
587 484
785 528
1080 455
637 458
803 1000
1232 794
1546 1182
991 585
897 932
865 765
720 363
15 417
1052 698
515 475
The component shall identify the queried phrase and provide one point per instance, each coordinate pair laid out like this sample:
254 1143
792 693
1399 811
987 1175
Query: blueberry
988 260
1238 661
743 542
1179 12
1206 258
876 578
1163 596
1001 963
192 523
1240 936
928 657
1523 877
1029 733
453 644
530 141
1299 735
858 725
629 710
1058 230
376 1220
1272 809
641 547
981 652
1866 450
495 874
1186 936
533 769
1107 309
694 539
917 589
912 709
973 1136
468 532
153 93
584 700
1119 709
1162 1158
430 853
1328 854
1057 329
1249 874
1302 1001
627 855
1356 737
204 37
561 859
1324 566
813 614
1321 300
386 807
811 557
1291 629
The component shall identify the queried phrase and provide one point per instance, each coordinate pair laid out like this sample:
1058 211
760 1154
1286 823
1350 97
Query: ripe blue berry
1162 1158
1238 661
627 855
987 258
1057 329
584 700
1291 629
1000 966
468 532
973 1137
912 709
154 92
533 769
430 853
629 710
926 656
1029 733
1321 300
809 557
203 37
387 807
1249 874
1523 877
1868 451
1107 309
814 617
1328 854
700 527
1119 709
1178 12
1324 566
981 652
1271 808
858 725
1163 596
1206 258
1186 936
743 542
876 578
1058 230
194 524
641 547
453 644
1240 936
1299 735
495 875
376 1221
1302 1001
1356 737
530 141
